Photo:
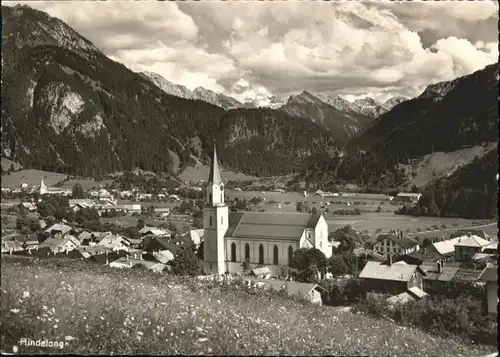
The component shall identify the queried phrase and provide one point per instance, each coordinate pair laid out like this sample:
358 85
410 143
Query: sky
252 50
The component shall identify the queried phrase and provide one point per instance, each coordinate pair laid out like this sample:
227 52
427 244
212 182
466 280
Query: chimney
107 262
400 234
469 234
130 264
439 267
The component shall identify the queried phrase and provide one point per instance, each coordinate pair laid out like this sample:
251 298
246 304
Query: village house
162 211
468 246
58 230
155 232
393 278
395 244
158 244
196 236
308 291
127 263
27 206
490 276
408 197
438 274
57 245
115 243
466 232
445 247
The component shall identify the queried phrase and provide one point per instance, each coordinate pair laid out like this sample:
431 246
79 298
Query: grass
102 310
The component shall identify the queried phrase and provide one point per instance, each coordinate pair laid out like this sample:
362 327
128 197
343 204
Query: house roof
489 274
419 293
112 241
464 274
394 272
492 246
403 242
287 226
162 242
446 246
52 242
472 241
84 235
154 230
483 256
448 272
291 287
58 227
162 209
163 256
408 194
196 235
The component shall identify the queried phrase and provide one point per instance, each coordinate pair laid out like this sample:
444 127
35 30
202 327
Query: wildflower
44 307
26 294
102 318
140 333
69 338
56 326
15 311
15 349
203 339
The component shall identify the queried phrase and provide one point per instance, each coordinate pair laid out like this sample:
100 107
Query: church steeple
215 189
214 176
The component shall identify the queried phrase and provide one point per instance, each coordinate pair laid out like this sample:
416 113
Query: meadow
98 310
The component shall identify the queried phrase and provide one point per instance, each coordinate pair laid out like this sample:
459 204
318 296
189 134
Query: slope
446 117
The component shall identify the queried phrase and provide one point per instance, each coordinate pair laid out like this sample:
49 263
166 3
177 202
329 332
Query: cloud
253 51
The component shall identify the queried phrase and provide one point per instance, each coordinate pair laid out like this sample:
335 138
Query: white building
262 239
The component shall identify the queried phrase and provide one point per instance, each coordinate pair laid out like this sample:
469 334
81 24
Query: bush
186 263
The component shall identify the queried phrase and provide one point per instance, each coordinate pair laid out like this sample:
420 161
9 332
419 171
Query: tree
300 206
307 262
337 266
245 265
314 210
77 191
140 223
186 263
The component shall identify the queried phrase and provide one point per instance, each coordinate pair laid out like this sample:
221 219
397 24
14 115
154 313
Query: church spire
214 177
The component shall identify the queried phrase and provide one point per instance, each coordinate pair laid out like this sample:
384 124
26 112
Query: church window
233 252
261 254
290 255
247 252
210 220
275 255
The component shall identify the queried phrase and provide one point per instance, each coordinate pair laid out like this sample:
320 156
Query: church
262 239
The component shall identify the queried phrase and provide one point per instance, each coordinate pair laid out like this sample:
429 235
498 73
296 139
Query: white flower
140 333
26 294
15 311
15 349
203 339
69 338
56 326
44 307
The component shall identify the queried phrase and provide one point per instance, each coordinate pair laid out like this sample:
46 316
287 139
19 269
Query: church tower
43 188
215 223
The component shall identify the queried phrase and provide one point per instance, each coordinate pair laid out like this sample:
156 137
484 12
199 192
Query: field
369 220
32 178
94 309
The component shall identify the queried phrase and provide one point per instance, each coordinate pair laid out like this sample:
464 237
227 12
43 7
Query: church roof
214 176
287 226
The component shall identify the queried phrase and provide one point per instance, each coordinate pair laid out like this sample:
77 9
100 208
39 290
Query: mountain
168 87
217 99
199 93
392 102
447 116
342 125
369 107
67 107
